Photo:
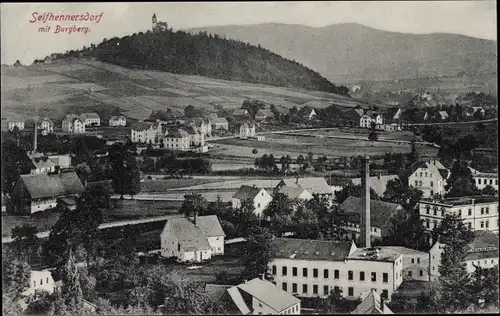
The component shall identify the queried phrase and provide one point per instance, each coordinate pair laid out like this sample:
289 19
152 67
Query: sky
22 39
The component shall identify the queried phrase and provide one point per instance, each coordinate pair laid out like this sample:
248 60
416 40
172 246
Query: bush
255 151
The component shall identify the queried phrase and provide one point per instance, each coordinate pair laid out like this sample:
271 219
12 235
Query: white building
259 196
61 161
177 140
90 119
220 123
145 133
117 121
313 268
369 117
295 193
483 179
429 177
197 240
261 297
73 124
483 252
19 124
312 114
201 126
42 164
365 121
479 213
247 130
46 126
40 281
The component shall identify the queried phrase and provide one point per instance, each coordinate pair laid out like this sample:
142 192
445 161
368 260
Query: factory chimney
35 140
365 237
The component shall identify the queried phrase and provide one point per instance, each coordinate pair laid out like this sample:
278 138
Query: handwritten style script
62 17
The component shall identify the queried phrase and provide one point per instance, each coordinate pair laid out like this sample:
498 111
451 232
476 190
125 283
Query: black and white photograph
249 158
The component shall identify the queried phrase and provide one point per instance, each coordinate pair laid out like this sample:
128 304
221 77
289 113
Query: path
452 123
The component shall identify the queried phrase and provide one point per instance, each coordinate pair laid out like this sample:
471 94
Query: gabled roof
360 112
240 112
179 133
190 130
219 120
213 117
44 186
380 212
444 173
306 249
189 236
141 126
196 121
245 192
315 185
269 294
216 291
116 118
210 225
264 113
377 183
292 192
46 119
41 162
237 298
89 115
443 114
404 250
372 304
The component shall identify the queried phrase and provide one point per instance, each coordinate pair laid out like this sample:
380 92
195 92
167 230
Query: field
279 145
51 89
164 185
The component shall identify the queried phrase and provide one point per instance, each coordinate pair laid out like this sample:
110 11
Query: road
454 123
209 196
45 234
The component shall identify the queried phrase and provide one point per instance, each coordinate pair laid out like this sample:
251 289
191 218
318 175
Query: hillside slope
206 55
351 52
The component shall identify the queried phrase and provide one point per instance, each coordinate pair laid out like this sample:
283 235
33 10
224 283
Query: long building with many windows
478 212
313 268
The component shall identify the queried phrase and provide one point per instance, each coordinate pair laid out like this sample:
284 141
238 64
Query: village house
189 240
378 183
73 124
264 115
258 196
380 215
313 268
415 263
311 114
145 133
240 113
218 123
247 130
15 123
295 193
482 252
46 126
477 212
41 164
90 119
177 140
117 121
372 304
39 192
201 126
261 297
369 117
443 115
484 179
314 185
429 177
40 281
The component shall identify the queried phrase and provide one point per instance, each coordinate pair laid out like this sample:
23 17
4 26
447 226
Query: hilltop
351 52
82 85
205 55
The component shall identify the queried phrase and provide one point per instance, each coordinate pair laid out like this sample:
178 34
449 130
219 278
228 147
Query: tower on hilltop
158 26
154 21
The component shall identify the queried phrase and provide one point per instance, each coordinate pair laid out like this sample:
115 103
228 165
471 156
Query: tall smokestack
365 238
35 140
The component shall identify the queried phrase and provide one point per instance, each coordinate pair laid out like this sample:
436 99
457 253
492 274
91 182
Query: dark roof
44 185
246 192
210 225
307 249
216 291
380 212
443 173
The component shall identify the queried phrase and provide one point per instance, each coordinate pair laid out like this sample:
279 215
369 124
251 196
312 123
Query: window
284 286
412 260
478 181
432 184
258 205
304 288
362 275
459 213
336 274
349 275
336 289
325 290
482 224
416 183
426 174
470 212
418 260
385 294
482 210
41 281
470 225
274 270
491 181
487 224
294 271
427 224
350 291
420 173
427 209
410 273
374 276
435 223
47 279
315 289
385 277
421 272
294 287
304 272
325 273
487 210
283 271
435 211
315 273
420 183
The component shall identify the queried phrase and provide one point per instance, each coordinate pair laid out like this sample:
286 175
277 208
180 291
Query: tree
25 242
245 217
83 171
193 203
259 252
15 276
460 182
15 162
484 287
71 289
255 151
453 279
125 173
489 190
335 303
351 189
373 136
300 160
400 193
279 212
407 230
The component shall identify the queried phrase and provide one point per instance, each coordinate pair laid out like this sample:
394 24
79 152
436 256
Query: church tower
154 21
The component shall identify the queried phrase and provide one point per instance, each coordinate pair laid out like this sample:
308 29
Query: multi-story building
46 126
40 281
201 126
17 123
73 124
146 133
247 130
313 268
479 212
41 164
429 177
90 119
482 252
484 179
117 121
177 140
314 185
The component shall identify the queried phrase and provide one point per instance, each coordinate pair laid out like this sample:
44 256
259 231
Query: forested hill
206 55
